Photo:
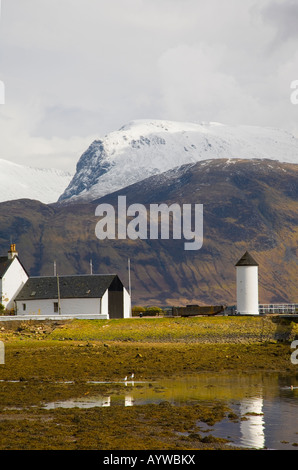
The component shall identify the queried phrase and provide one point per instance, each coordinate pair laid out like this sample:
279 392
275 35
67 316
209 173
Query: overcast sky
75 70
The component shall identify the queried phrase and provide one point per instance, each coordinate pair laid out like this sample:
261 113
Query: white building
100 296
86 296
247 286
13 277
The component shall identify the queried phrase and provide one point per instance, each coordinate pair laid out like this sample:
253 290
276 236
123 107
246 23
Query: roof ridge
70 275
247 260
73 286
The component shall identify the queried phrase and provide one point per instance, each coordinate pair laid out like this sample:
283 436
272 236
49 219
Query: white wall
12 282
126 304
68 307
247 290
105 303
72 307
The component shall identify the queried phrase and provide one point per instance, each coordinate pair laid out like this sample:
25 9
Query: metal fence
278 308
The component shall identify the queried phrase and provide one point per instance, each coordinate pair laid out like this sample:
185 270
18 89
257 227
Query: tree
137 310
153 311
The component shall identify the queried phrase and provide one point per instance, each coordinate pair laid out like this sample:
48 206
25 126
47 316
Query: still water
266 404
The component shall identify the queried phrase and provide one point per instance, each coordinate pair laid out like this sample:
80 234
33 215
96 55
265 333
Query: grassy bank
209 330
186 330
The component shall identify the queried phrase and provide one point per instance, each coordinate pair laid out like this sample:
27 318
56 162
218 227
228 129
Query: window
55 307
24 307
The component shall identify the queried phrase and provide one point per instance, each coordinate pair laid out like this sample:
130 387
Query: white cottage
85 296
13 277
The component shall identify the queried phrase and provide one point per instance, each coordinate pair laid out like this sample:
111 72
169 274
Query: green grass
196 329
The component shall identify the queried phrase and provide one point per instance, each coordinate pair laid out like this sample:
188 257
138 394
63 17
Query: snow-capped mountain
22 182
149 147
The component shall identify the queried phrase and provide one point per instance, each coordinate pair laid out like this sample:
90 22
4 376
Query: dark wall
116 304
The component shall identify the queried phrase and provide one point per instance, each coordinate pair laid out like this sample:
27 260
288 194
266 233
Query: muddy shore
51 361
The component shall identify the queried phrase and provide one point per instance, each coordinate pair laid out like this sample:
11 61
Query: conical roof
247 260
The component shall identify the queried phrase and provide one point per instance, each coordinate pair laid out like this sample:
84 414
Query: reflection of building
128 400
92 402
106 401
2 353
252 423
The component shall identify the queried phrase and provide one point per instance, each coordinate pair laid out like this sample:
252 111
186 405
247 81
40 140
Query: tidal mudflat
180 396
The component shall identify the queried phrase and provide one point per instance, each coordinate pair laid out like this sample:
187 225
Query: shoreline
55 361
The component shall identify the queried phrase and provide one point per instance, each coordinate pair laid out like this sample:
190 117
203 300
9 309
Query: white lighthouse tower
247 285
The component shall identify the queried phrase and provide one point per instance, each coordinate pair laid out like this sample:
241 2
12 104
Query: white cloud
75 69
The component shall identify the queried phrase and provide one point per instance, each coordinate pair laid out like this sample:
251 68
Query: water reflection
266 404
252 426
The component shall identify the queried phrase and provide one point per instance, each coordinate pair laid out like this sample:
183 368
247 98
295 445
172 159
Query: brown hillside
248 205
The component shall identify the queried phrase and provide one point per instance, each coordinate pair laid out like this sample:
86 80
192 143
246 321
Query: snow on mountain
21 182
148 147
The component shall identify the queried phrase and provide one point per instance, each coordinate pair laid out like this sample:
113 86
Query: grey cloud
284 16
74 68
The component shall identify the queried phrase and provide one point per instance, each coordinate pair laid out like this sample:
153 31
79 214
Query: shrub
137 310
152 311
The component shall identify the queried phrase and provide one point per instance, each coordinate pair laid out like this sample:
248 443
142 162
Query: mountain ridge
140 149
249 205
144 148
20 181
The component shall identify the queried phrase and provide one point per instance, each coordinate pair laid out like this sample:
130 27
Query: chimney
12 252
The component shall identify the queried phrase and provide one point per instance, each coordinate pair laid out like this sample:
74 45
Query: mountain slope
248 205
18 181
144 148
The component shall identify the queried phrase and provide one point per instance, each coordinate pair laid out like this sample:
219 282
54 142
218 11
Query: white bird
125 379
132 376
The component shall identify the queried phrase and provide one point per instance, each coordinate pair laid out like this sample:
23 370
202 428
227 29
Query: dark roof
78 287
247 260
5 262
4 265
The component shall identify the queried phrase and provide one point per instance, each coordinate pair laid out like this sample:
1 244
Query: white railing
278 308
